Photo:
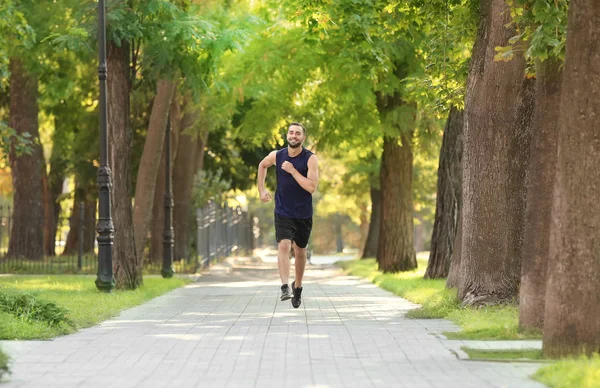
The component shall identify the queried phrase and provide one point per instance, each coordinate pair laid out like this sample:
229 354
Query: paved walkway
230 330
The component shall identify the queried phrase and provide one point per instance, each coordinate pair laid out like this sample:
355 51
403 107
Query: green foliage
28 307
541 27
496 322
22 143
581 372
209 185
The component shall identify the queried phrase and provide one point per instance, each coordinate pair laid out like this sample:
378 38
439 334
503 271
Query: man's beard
296 145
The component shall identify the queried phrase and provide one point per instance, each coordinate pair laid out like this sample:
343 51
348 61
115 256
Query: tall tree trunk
396 251
454 271
89 220
71 245
183 179
339 237
127 274
27 234
572 316
449 189
497 132
538 217
370 249
158 208
89 224
54 182
49 233
364 229
150 164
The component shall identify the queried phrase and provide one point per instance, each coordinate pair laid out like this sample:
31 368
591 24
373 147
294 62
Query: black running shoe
285 292
297 299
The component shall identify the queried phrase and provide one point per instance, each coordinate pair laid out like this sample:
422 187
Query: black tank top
291 200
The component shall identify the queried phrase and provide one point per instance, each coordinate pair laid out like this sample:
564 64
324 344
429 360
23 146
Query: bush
27 307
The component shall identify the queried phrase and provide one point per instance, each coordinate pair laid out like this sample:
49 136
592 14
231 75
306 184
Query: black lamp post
105 228
168 235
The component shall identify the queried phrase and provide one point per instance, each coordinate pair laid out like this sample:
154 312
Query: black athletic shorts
297 230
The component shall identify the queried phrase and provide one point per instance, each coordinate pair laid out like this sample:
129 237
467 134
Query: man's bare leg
283 260
300 265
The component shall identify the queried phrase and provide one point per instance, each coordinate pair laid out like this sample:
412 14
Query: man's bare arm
310 182
267 162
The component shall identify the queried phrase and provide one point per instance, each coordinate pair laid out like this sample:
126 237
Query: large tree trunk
127 274
370 249
27 234
183 179
150 164
497 131
449 189
572 316
538 216
396 250
158 208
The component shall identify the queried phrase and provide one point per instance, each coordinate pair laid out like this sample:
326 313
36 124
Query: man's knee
284 246
300 252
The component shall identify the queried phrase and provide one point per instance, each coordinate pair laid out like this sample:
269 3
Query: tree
27 233
541 29
497 133
449 194
572 320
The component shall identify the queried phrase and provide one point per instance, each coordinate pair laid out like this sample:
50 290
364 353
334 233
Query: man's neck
294 151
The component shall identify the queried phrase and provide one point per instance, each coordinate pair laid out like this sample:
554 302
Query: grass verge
504 355
582 372
38 315
489 323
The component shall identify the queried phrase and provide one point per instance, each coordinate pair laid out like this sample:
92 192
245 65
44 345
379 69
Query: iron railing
221 231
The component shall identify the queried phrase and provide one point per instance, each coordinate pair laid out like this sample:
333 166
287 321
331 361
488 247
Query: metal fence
69 245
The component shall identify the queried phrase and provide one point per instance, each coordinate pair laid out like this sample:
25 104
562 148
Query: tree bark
71 245
364 229
89 221
158 208
454 271
150 164
498 113
449 190
339 237
395 251
370 249
54 183
126 272
572 316
27 234
183 179
538 216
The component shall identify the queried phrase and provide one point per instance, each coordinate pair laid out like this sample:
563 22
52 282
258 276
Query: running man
297 178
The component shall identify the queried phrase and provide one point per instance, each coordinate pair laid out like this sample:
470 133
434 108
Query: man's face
295 136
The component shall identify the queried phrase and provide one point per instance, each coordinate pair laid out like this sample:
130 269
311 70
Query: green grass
583 372
3 364
85 306
509 355
489 323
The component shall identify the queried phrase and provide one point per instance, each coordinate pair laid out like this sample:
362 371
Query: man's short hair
300 125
